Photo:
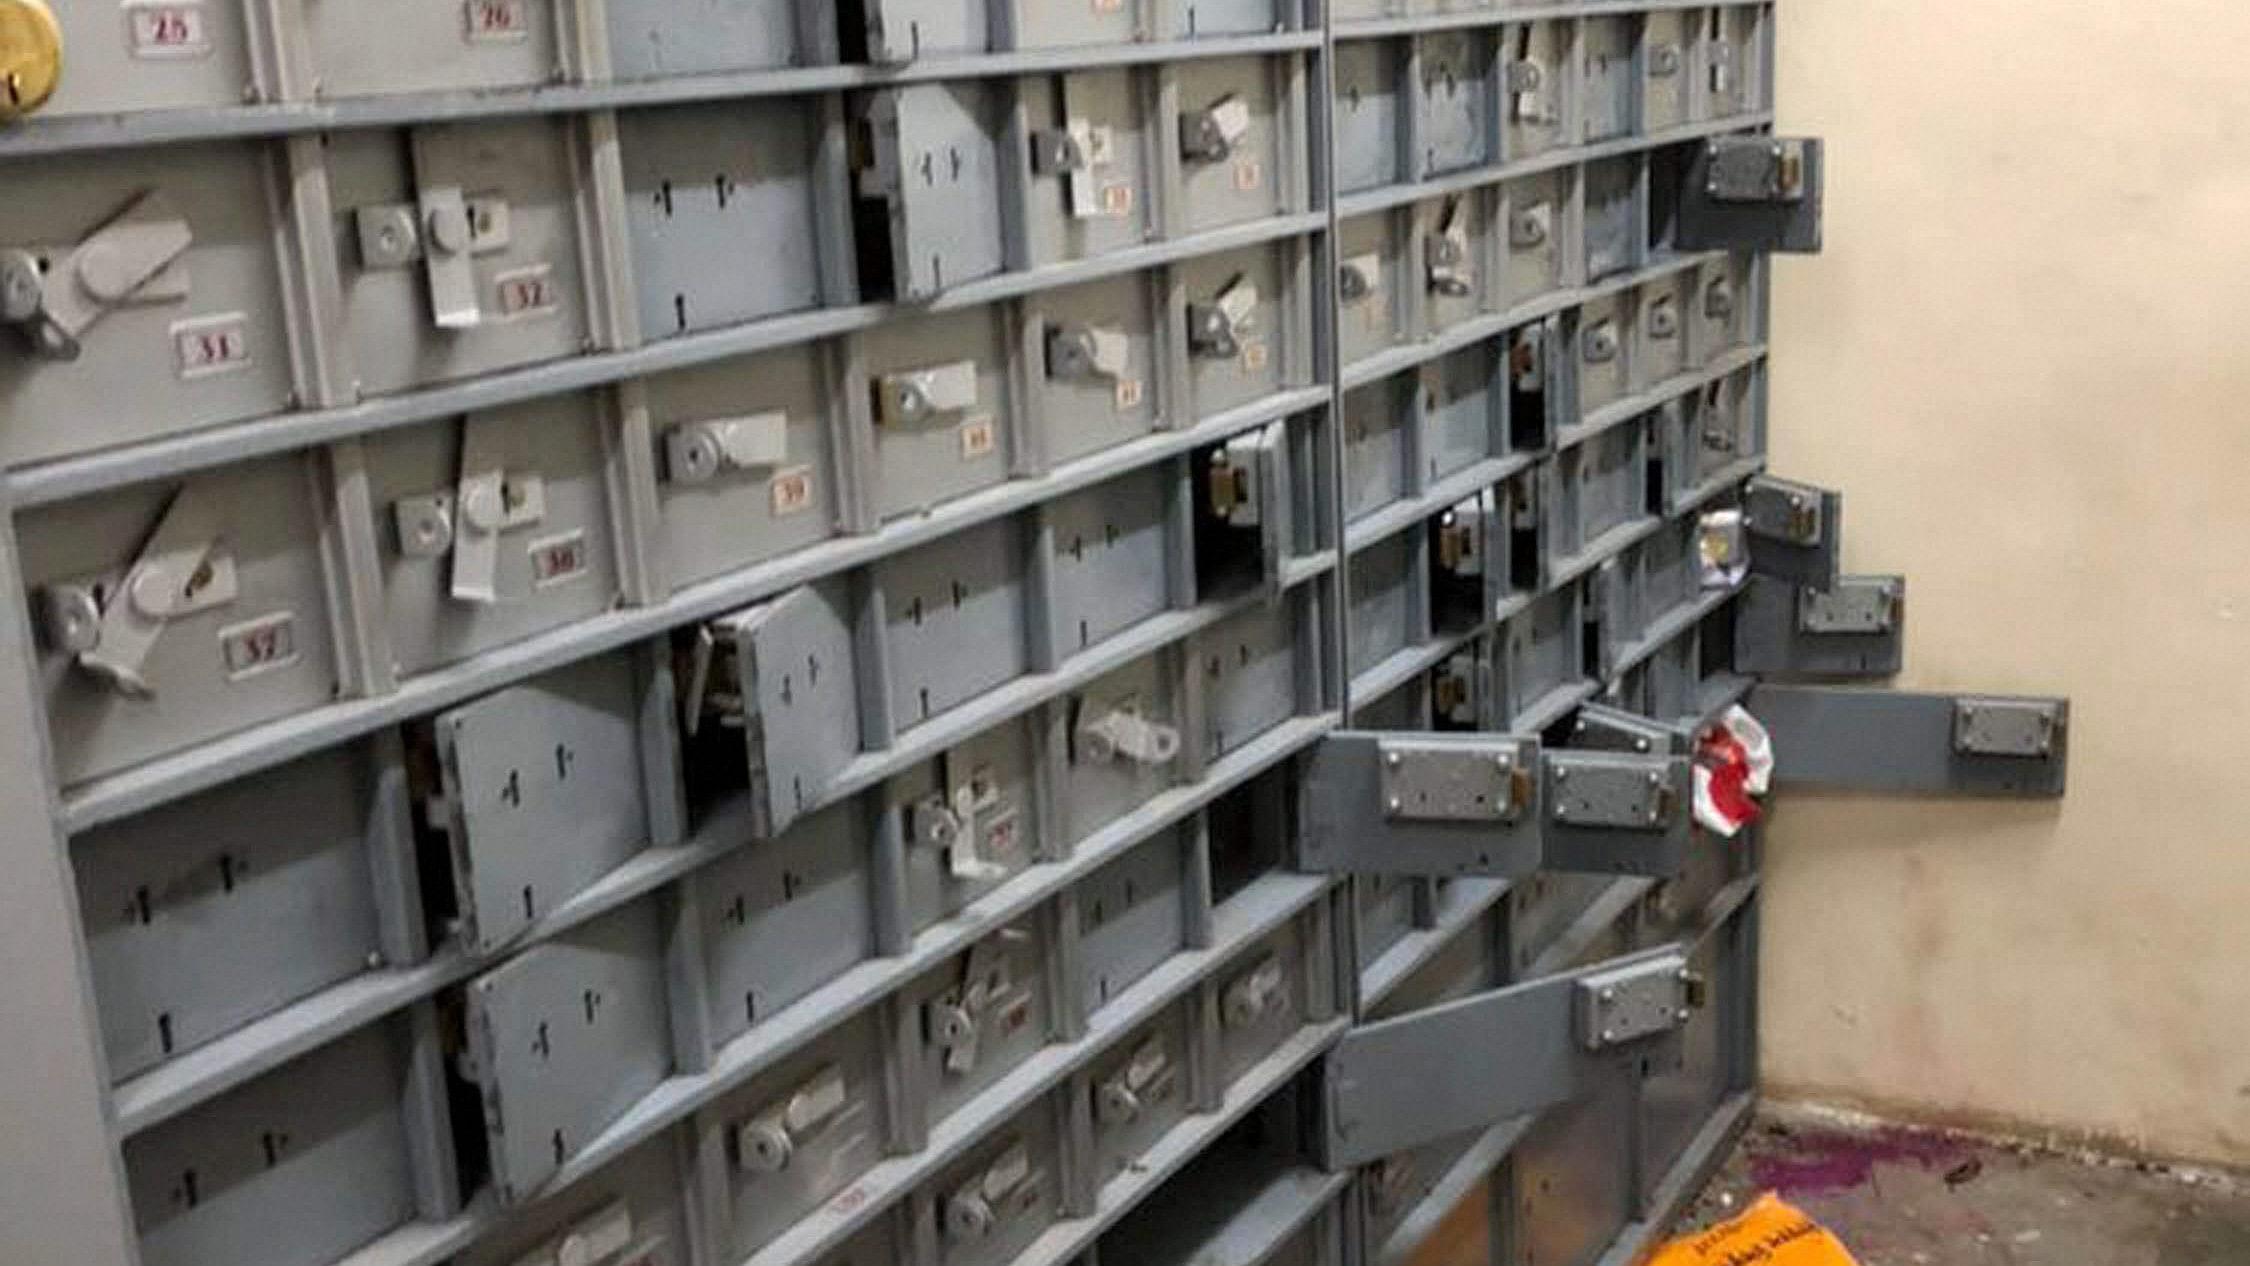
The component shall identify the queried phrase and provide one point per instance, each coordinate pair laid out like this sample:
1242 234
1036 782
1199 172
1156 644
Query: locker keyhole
791 885
664 198
960 594
812 671
738 911
788 689
164 1031
540 1045
560 1150
142 910
530 910
724 188
226 872
511 792
275 1144
1078 549
592 1001
564 759
914 612
188 1194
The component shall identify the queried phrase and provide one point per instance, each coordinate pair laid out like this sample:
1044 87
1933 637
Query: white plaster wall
2025 356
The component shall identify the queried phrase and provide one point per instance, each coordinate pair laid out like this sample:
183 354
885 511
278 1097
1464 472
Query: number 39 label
211 345
260 645
167 30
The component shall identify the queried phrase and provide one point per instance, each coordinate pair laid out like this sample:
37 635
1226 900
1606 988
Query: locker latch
1251 996
987 992
1459 548
1426 782
1147 1077
768 1141
1356 277
1783 511
1451 271
1636 1000
1856 605
1529 226
1453 690
1599 343
1718 299
486 502
698 452
1236 482
1217 329
1078 152
2006 727
1211 133
955 820
1662 320
131 258
1591 791
915 395
1529 93
603 1239
1004 1188
1123 733
1084 351
181 570
443 230
1755 169
1663 61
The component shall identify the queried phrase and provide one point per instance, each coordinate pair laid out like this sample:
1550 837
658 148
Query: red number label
558 559
170 30
498 20
252 648
527 292
213 345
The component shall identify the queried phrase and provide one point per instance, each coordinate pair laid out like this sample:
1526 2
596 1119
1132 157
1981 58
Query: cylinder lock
30 57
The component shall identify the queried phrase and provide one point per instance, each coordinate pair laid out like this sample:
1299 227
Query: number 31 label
167 30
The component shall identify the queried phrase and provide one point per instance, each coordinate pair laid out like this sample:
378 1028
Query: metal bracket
1755 193
1855 629
1601 728
1796 531
1625 1003
1396 1084
132 257
1247 484
1616 812
182 569
1421 804
1880 740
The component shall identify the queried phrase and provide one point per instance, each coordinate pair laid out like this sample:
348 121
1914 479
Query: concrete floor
1899 1197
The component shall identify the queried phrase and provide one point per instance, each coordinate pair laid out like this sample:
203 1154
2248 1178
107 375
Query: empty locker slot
1132 915
783 916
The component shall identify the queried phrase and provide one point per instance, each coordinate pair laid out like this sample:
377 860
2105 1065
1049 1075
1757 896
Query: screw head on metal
1609 995
1395 804
1656 780
1681 1015
1394 760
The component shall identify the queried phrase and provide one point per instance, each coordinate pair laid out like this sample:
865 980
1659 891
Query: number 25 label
167 30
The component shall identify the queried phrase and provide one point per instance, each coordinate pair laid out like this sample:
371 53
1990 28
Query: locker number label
498 21
557 560
259 646
1130 393
978 437
1254 356
211 345
792 491
1117 200
1108 6
165 31
1249 174
526 293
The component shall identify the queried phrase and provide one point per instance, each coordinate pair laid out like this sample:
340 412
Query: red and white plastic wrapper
1733 767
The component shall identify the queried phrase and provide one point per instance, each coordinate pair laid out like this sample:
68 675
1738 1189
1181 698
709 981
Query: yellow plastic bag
1771 1232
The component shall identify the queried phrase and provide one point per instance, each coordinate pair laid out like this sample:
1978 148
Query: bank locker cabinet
960 632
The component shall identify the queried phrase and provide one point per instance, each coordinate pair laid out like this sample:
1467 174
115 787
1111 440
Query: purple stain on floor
1816 1162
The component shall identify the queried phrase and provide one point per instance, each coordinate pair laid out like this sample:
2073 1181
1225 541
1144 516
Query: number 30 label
167 30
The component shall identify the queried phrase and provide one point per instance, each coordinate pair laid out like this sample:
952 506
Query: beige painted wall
2026 358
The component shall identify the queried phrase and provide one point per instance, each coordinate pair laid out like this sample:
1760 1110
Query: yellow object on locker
30 56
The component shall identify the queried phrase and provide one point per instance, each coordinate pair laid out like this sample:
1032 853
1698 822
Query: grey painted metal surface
1879 740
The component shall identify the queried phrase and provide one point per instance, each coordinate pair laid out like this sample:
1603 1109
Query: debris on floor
1911 1197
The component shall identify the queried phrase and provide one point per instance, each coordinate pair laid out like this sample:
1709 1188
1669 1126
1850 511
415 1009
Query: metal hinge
1753 193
